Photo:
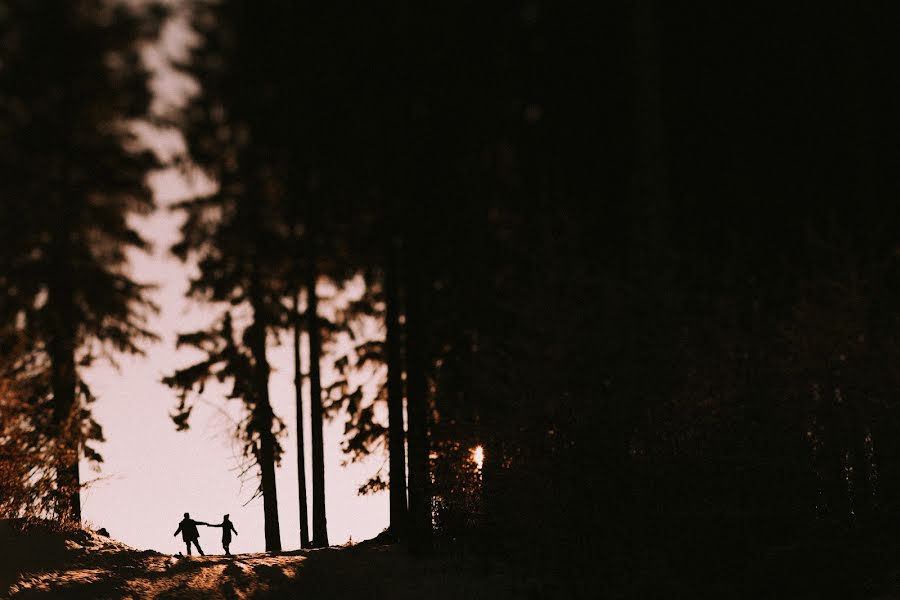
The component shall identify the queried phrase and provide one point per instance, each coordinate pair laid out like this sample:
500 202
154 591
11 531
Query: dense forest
637 265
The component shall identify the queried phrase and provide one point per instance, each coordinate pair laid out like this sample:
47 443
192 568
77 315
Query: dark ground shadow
382 571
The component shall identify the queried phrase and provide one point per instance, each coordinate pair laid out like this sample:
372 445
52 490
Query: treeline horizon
646 256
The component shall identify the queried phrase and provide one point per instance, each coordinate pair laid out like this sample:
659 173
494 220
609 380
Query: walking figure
227 527
189 532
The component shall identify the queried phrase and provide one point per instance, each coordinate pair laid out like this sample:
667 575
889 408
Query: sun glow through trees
478 456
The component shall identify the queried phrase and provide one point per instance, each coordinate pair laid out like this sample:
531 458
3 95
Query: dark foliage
642 256
655 255
72 175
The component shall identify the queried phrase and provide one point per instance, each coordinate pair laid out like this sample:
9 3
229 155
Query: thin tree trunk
320 523
416 404
396 433
265 418
301 451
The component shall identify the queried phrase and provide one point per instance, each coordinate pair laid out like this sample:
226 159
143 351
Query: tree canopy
73 176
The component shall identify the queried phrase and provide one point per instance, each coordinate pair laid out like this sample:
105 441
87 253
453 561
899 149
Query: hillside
83 564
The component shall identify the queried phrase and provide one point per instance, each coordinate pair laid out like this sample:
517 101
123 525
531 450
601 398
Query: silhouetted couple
190 533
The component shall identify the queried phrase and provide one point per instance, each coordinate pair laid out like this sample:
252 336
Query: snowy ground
84 564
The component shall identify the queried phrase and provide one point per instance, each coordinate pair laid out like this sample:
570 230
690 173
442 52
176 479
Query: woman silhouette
227 527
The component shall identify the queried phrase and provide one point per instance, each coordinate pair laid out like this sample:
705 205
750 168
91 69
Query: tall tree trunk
301 451
650 168
650 253
64 380
320 522
64 383
396 433
860 20
265 417
417 410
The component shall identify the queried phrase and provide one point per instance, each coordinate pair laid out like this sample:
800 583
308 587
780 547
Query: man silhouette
189 532
227 527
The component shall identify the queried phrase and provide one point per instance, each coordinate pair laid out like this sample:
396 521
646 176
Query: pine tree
229 358
73 174
236 234
234 257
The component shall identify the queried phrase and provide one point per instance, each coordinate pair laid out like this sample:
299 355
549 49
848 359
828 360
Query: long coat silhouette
190 533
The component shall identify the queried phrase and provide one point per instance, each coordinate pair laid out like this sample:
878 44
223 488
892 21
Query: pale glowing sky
152 474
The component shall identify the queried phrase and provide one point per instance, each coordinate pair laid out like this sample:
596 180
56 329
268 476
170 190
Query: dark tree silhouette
643 257
236 234
234 254
227 358
313 325
73 175
394 359
417 409
296 319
